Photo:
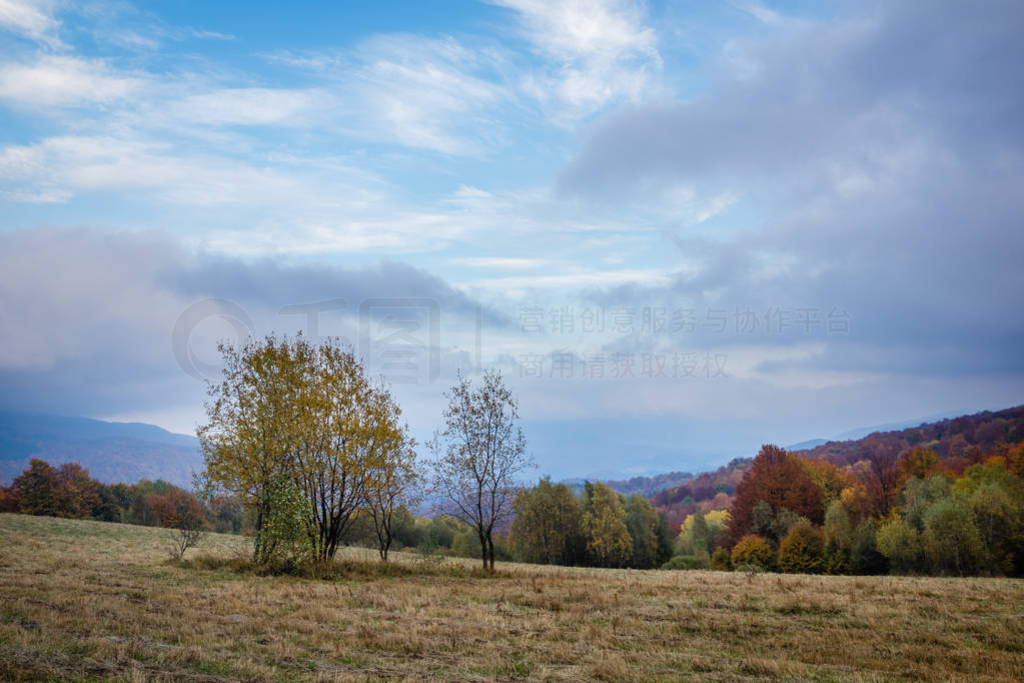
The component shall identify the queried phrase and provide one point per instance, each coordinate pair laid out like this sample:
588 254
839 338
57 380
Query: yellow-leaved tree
604 525
304 437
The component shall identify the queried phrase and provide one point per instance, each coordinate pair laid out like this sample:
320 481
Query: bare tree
189 526
478 455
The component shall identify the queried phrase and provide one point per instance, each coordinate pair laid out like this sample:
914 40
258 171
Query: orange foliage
778 478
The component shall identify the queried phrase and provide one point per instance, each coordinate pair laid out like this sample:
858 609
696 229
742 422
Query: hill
111 451
958 441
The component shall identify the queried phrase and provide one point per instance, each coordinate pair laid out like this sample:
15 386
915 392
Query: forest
944 498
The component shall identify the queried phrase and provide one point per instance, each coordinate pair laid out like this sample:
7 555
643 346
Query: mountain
111 451
806 445
645 486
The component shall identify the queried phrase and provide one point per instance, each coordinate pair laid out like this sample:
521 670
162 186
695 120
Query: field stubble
83 599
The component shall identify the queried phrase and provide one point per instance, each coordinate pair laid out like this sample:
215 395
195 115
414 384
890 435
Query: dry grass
93 600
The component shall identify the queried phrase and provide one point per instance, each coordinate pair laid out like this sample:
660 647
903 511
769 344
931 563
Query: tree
308 413
878 468
479 454
392 486
604 526
951 540
78 493
354 451
649 535
188 523
777 478
546 525
752 550
249 442
802 550
918 462
39 489
900 543
838 537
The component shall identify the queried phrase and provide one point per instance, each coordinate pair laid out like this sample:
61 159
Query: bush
686 562
721 560
752 550
801 550
287 532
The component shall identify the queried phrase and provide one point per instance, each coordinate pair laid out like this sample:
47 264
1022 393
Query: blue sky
681 229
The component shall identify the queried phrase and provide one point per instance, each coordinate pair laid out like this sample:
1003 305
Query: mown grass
81 600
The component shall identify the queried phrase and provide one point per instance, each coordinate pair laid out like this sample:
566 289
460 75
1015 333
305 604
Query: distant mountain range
119 451
861 432
111 451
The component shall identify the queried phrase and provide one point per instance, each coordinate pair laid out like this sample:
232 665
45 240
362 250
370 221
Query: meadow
90 600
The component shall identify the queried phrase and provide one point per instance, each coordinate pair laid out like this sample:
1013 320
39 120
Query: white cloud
249 106
62 81
501 263
598 52
424 93
30 19
76 164
575 280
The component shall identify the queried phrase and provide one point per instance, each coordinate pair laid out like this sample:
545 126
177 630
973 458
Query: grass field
92 600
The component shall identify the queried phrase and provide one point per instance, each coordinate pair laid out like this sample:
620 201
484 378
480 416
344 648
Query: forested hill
959 442
111 451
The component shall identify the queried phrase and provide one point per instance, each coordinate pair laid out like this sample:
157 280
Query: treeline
69 491
600 528
891 511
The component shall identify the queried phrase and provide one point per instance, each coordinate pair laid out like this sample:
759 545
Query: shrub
685 562
752 550
721 560
801 550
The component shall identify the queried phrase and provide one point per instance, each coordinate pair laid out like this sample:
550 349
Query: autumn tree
752 550
38 489
802 550
479 454
776 478
878 468
289 409
604 525
392 485
546 525
354 452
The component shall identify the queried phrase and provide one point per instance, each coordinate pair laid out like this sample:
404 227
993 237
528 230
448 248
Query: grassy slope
87 599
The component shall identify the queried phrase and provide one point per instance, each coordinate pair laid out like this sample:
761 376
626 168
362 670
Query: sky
679 229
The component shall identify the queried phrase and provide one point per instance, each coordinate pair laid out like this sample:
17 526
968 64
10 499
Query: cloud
877 160
250 107
64 81
99 338
500 262
33 20
594 53
435 94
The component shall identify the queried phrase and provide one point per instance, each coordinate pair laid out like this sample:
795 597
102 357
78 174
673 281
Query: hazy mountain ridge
644 486
111 451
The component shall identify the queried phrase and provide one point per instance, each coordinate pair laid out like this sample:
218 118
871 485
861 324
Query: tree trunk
483 547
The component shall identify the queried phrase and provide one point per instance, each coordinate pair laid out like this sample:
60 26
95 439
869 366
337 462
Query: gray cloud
87 317
884 156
